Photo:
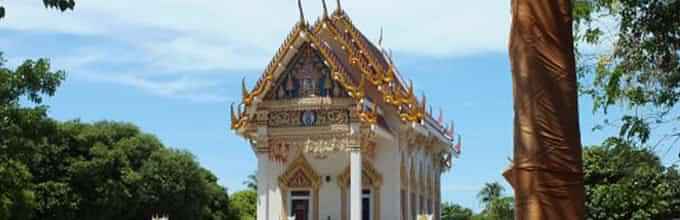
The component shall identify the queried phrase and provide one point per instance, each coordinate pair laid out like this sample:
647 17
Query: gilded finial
239 110
410 87
339 6
234 118
244 89
302 13
452 128
325 9
440 119
424 99
380 39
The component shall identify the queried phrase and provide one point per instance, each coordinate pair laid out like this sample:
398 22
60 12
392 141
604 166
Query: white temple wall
329 193
386 161
269 195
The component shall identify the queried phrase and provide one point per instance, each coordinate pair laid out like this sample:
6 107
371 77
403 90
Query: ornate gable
331 58
306 75
300 175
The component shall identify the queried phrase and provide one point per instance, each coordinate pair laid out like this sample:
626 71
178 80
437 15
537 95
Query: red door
300 209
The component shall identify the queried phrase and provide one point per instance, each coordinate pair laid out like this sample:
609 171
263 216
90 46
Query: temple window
366 205
300 204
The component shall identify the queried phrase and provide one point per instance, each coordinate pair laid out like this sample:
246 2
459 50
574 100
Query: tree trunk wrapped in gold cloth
546 172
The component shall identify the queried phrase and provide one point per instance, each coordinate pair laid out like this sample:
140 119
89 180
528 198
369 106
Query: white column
261 187
355 184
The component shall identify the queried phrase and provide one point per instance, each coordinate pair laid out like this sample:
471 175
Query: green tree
17 198
496 206
623 182
21 129
244 204
251 182
490 192
110 170
174 184
451 211
61 5
639 67
501 208
104 170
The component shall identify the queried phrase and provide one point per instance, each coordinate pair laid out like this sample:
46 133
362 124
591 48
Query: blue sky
173 67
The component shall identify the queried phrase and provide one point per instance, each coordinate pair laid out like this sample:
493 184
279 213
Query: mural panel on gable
307 75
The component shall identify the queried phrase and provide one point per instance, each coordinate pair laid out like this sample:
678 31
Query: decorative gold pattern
295 118
279 152
300 175
317 145
300 167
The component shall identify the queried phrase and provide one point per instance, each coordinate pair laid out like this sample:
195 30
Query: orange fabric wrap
546 172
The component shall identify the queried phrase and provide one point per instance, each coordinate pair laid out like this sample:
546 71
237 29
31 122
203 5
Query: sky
173 67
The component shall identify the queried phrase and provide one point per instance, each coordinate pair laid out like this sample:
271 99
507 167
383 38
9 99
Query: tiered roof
363 69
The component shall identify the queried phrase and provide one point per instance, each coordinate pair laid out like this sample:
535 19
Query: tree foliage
61 5
501 208
639 65
251 182
496 206
104 170
451 211
490 192
623 182
244 204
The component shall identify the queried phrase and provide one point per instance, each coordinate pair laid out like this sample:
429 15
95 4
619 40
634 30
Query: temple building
338 133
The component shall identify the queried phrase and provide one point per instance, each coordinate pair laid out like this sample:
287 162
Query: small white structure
338 135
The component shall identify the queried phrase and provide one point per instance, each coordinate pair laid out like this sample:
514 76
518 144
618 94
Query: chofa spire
339 9
302 13
325 9
380 38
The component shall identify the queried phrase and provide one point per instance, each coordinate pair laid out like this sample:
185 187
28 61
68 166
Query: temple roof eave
410 108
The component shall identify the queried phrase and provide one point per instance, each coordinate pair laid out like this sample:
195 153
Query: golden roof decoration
355 63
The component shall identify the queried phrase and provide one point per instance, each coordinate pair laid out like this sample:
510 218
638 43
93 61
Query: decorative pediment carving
300 175
299 180
307 75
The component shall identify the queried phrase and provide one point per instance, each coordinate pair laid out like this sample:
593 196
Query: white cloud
434 27
197 53
184 88
187 37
